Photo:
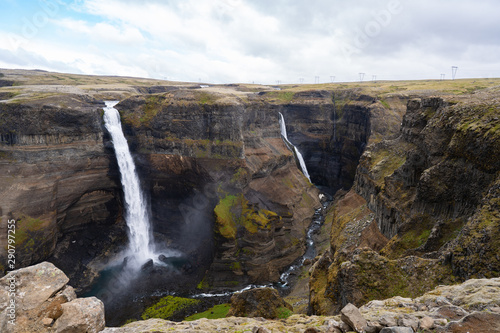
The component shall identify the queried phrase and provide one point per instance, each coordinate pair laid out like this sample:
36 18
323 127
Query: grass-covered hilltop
405 181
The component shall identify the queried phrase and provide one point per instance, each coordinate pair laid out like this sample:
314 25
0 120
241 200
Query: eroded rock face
55 179
43 302
234 174
437 181
431 192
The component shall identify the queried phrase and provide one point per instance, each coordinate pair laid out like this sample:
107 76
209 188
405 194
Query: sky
254 41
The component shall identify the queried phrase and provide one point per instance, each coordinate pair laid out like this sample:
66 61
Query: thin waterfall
292 147
136 209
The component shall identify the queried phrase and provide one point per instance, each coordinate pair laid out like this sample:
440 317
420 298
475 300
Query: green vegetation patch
204 97
385 104
216 312
383 164
379 278
280 96
225 217
168 307
235 211
284 313
412 235
26 228
151 108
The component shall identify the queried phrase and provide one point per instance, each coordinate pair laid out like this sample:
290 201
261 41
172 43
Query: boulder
259 302
45 303
388 321
352 317
408 321
426 323
83 315
477 322
35 284
451 312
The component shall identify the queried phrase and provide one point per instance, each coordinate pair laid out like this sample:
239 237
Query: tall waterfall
136 210
291 146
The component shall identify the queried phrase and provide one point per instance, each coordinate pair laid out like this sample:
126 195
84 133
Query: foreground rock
474 305
260 302
43 302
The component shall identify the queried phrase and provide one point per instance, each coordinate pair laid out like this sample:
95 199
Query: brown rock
426 323
36 284
259 302
452 312
47 321
82 315
352 317
477 322
257 329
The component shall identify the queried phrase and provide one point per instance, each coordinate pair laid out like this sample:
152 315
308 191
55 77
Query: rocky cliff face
56 179
430 192
222 185
224 169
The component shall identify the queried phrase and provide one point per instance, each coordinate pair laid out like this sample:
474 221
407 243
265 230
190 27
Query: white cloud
243 41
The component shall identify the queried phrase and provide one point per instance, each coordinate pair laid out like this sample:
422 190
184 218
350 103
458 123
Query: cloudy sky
261 41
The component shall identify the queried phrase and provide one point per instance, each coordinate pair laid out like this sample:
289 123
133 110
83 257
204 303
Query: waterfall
292 147
136 210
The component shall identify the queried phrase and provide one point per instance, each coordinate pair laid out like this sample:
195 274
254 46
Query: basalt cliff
423 210
412 171
222 185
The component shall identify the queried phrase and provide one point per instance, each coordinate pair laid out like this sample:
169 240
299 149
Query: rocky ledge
38 299
45 303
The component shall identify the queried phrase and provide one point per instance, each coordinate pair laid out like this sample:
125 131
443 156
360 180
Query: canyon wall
423 210
223 187
56 179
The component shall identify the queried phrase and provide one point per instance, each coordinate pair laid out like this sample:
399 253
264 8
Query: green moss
203 284
383 164
168 306
234 211
27 226
379 278
240 175
236 266
411 235
284 313
225 217
128 321
216 312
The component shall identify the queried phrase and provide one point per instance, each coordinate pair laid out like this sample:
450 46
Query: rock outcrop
437 181
259 302
38 299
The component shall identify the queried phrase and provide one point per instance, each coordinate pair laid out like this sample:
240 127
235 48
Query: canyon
411 170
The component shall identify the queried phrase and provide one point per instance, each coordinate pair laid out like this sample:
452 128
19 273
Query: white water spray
292 146
136 211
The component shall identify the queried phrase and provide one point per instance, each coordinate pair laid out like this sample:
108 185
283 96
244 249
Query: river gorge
396 182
